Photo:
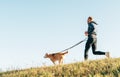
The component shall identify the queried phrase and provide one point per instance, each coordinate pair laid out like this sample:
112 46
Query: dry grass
96 68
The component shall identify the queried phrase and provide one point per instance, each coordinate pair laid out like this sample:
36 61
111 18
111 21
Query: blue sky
31 28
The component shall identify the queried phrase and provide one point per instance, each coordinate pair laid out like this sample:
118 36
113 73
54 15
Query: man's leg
87 47
94 45
107 54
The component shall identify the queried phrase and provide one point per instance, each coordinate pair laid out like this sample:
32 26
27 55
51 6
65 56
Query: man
92 39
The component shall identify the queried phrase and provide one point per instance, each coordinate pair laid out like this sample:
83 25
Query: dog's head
46 55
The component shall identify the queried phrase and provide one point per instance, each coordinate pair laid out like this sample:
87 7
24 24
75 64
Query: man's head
89 19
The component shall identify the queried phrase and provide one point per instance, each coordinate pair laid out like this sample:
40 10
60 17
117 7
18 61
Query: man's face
89 20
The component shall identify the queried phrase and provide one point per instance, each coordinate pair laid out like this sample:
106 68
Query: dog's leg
60 61
53 62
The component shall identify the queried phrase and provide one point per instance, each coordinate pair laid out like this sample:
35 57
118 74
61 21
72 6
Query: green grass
96 68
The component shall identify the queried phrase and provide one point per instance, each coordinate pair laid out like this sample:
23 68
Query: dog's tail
65 53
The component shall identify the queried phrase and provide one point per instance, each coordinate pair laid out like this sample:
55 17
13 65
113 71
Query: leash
74 45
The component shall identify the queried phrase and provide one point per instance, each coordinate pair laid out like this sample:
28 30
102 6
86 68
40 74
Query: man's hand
86 33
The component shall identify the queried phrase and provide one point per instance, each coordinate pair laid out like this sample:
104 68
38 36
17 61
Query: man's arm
94 22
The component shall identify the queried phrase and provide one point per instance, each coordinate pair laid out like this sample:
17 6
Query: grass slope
96 68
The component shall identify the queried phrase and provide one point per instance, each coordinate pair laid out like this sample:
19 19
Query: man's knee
94 52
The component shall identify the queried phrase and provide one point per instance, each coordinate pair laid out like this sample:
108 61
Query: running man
92 40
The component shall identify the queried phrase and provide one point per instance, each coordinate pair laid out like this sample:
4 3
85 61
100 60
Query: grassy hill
96 68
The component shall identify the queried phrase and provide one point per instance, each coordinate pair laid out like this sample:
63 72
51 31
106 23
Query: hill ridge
95 68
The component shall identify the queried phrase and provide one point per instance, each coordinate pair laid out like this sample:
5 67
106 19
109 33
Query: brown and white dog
56 57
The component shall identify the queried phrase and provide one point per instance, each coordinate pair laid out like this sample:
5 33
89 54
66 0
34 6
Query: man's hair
90 17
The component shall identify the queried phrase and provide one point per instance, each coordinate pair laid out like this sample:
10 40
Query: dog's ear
46 55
